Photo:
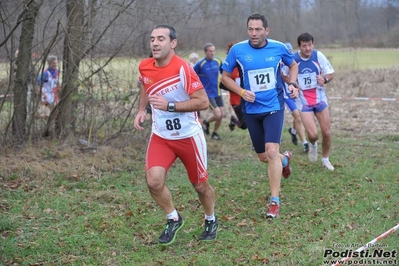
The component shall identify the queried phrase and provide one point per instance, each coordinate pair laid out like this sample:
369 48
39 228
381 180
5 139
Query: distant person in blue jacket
208 70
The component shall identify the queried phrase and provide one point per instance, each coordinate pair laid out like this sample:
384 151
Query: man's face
161 45
306 49
210 52
257 33
53 64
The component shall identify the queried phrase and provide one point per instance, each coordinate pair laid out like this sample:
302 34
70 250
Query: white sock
293 131
210 218
325 159
314 146
173 215
305 142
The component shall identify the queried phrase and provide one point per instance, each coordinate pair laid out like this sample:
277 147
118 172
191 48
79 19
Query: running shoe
233 123
306 147
168 236
211 229
205 127
294 139
215 136
287 168
327 164
312 154
273 211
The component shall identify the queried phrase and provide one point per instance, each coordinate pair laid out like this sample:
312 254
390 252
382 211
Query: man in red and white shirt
175 94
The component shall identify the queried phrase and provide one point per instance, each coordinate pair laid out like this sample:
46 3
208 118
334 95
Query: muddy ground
355 117
372 116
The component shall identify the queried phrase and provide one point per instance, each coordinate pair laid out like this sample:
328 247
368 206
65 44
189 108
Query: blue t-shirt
208 72
45 76
260 72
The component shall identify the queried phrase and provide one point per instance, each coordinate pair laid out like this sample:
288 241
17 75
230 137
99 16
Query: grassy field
97 210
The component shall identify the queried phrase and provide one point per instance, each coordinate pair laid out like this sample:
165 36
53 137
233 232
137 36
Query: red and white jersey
175 82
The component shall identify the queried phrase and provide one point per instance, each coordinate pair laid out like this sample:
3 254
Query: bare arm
143 100
293 73
293 76
284 74
286 78
329 77
321 80
230 83
247 95
198 101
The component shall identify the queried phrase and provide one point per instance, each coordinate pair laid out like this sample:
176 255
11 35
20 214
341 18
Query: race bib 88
172 122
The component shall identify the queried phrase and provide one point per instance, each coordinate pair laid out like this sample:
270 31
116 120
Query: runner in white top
314 72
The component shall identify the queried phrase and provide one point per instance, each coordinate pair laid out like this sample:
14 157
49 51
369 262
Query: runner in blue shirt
208 70
258 61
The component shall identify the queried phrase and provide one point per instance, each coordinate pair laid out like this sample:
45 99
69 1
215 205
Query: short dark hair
258 17
304 37
207 45
172 31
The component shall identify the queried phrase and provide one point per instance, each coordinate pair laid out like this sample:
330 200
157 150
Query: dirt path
365 116
358 117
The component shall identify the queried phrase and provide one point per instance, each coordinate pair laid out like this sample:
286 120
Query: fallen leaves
264 260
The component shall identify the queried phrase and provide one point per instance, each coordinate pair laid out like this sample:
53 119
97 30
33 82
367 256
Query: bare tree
73 54
24 70
93 39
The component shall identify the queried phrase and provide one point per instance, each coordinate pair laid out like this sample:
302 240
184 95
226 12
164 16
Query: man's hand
249 96
140 117
320 80
294 89
158 102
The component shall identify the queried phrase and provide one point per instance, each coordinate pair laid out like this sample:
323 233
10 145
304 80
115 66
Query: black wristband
293 84
326 80
171 107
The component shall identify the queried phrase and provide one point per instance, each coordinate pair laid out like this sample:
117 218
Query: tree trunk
24 70
73 54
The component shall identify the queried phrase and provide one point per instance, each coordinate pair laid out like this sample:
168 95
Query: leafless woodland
92 34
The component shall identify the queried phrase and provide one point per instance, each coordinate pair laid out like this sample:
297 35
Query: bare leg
308 120
159 191
275 159
216 117
219 116
300 129
206 195
324 120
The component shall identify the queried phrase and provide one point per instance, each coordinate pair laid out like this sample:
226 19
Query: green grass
110 218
